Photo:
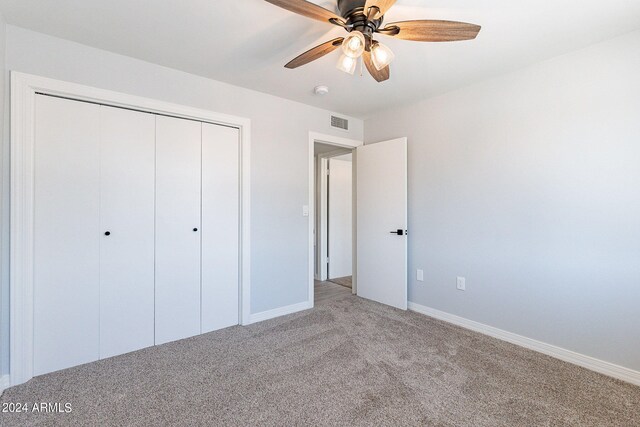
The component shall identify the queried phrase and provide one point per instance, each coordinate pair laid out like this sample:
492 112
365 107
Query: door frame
24 88
322 213
321 219
338 142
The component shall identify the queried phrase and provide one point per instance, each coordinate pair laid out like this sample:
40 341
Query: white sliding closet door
127 180
220 226
67 234
178 159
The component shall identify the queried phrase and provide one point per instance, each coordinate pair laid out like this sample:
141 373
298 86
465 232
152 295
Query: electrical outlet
420 276
461 284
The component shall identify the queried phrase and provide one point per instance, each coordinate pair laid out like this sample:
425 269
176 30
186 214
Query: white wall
340 216
529 185
280 135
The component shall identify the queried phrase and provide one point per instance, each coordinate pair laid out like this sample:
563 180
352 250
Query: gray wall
529 185
279 162
4 213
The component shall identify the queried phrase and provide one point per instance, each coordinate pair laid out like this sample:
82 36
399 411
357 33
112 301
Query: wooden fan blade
431 31
305 8
379 75
382 5
315 53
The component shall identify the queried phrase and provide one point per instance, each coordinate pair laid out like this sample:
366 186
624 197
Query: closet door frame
24 88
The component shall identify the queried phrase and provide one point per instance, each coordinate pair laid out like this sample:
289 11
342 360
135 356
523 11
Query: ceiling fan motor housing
355 16
346 6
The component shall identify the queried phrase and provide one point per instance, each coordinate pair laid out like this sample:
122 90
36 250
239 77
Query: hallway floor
328 290
343 281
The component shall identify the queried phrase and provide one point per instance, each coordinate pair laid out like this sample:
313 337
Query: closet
136 230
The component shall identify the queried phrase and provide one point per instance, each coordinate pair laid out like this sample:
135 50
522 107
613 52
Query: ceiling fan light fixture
347 64
354 44
381 56
366 16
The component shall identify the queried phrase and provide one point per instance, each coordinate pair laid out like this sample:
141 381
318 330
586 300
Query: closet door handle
107 233
195 229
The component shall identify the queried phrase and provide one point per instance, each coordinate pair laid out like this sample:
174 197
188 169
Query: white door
382 222
127 179
178 157
66 234
220 226
340 218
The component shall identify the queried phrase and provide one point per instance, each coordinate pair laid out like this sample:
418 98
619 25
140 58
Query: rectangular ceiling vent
339 123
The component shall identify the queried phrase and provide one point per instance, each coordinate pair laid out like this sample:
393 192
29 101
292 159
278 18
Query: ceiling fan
362 19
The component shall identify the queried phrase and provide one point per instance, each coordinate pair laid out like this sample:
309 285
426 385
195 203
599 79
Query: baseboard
4 383
591 363
282 311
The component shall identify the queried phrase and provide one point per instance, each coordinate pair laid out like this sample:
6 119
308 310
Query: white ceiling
247 42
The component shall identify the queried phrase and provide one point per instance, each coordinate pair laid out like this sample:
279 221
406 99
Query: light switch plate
305 210
461 284
420 276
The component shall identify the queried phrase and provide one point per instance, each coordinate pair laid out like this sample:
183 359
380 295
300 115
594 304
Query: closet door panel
220 226
66 227
178 158
127 187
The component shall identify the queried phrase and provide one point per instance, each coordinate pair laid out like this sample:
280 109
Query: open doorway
337 220
333 220
379 218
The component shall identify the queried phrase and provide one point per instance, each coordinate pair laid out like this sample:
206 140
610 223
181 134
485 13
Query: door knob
399 232
195 229
107 233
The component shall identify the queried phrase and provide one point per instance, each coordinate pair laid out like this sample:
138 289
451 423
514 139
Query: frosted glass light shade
347 64
353 45
381 56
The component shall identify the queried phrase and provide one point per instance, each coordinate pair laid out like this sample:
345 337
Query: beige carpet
346 362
